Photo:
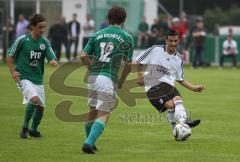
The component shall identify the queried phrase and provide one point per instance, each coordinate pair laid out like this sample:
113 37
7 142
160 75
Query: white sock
171 119
180 113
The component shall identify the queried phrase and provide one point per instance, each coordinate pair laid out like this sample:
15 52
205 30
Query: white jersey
161 66
229 45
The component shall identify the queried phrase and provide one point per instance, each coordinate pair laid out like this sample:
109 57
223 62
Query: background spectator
104 24
21 25
74 31
142 33
55 37
8 36
184 23
88 29
155 32
198 36
229 50
64 36
176 25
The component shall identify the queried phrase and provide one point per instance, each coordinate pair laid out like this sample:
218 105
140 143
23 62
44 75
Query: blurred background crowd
209 32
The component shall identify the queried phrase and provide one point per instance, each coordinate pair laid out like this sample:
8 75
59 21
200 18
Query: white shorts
30 90
101 93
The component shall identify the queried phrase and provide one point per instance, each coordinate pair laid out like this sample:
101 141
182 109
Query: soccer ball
182 132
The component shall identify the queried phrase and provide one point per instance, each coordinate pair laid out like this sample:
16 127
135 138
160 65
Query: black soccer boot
35 134
192 123
88 149
24 132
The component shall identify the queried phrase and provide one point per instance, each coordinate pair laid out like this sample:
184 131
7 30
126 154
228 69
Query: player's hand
140 81
53 63
15 76
198 88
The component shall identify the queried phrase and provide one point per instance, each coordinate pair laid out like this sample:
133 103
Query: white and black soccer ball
182 132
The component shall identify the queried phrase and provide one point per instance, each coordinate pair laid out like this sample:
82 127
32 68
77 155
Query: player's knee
176 98
169 104
103 115
35 100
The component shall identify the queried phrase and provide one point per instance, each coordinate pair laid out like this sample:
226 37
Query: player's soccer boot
192 123
86 148
24 132
35 134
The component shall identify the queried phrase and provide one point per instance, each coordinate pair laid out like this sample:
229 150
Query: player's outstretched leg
36 121
181 115
96 131
27 118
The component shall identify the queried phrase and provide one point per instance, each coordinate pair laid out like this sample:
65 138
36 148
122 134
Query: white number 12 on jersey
106 50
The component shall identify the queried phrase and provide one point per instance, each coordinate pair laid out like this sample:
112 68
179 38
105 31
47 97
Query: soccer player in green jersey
103 56
26 64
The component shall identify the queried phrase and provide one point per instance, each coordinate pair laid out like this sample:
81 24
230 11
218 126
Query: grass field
128 138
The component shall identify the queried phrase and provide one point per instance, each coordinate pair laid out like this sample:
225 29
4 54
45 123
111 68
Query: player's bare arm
190 86
15 74
126 71
140 79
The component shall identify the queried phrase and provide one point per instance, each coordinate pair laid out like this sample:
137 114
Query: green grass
127 138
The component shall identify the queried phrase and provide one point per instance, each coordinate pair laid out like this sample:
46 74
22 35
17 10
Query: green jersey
29 56
108 47
143 27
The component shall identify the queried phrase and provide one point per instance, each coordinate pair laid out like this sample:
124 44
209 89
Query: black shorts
157 99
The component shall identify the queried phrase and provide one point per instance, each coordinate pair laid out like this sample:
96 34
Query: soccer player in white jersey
164 67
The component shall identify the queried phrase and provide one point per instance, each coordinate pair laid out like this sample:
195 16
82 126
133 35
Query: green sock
28 114
37 118
95 133
88 126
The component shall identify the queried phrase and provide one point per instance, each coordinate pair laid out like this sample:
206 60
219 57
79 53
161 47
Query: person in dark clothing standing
198 35
8 36
74 29
143 33
55 38
64 37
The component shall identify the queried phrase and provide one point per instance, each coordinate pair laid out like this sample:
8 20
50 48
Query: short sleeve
180 73
49 51
16 46
145 57
225 44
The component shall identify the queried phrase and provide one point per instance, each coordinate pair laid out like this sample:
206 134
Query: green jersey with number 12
107 48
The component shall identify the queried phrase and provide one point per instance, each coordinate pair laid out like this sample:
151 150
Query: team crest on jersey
42 46
161 101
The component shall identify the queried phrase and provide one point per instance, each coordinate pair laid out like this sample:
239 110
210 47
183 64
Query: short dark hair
171 32
117 15
36 18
